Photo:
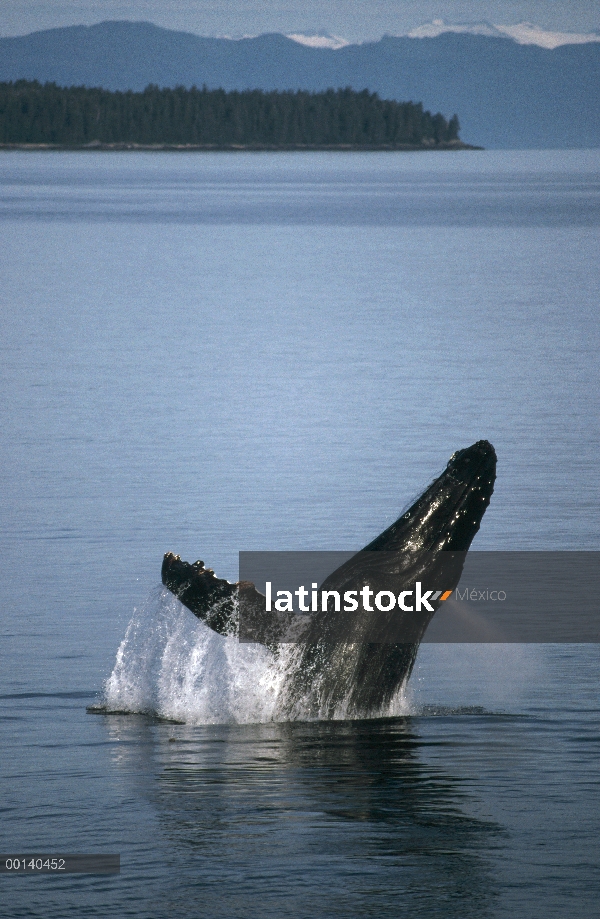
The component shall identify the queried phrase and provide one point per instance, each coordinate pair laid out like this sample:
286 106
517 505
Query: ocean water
214 353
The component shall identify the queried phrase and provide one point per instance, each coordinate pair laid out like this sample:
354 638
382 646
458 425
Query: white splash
172 665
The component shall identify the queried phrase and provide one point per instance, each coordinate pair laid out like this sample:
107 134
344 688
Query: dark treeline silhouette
32 113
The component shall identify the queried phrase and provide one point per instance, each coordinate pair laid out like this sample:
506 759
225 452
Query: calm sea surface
209 353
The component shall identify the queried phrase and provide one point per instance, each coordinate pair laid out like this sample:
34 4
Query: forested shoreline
50 115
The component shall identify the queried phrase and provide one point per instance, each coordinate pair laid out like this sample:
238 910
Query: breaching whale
353 663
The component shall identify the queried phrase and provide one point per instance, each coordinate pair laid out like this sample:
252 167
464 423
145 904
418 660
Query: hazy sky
351 19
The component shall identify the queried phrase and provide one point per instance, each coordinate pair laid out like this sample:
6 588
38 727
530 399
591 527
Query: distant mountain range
506 94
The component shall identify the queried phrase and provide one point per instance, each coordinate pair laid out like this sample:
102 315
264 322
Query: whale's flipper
210 598
216 602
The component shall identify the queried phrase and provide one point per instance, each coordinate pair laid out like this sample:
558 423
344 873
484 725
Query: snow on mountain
319 40
439 27
524 33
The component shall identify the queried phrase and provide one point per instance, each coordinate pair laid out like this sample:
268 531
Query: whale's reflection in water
312 819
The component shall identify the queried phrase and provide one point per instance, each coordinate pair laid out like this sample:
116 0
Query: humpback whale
354 663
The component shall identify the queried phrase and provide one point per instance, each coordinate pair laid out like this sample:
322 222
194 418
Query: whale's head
448 514
465 488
